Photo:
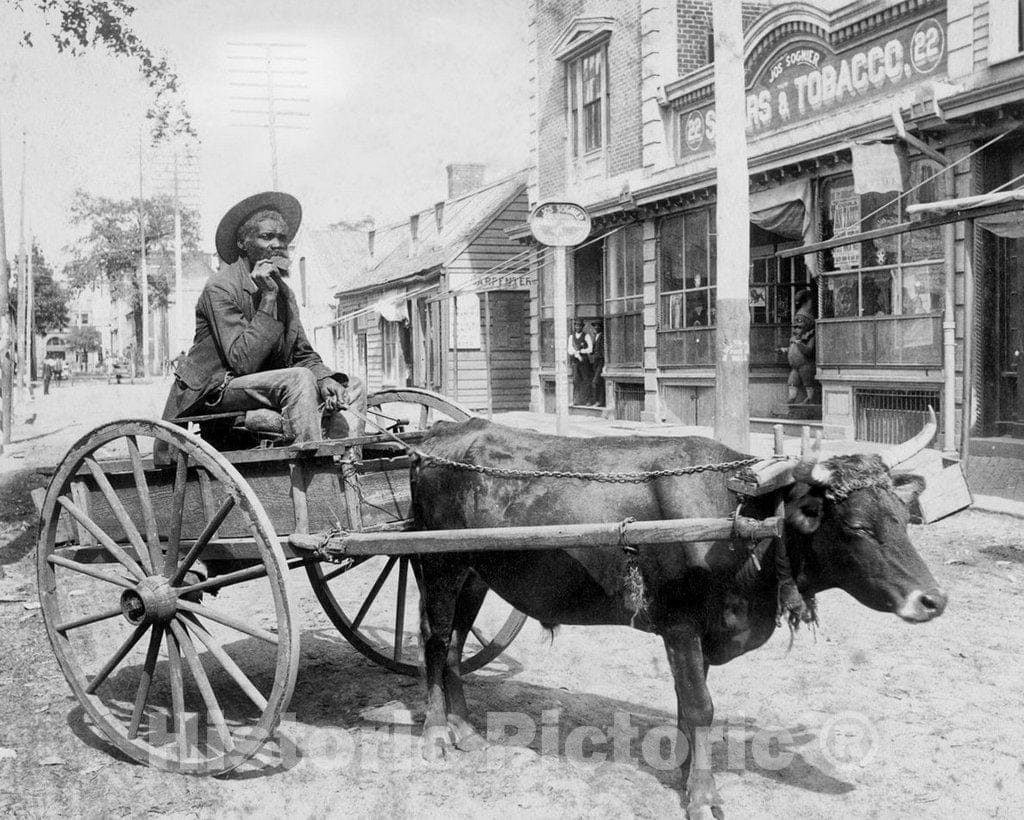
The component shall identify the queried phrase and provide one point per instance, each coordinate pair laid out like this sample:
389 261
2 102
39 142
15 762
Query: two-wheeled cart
165 589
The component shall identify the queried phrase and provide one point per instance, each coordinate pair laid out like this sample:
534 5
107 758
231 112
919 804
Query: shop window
686 280
624 297
774 286
587 93
545 305
874 293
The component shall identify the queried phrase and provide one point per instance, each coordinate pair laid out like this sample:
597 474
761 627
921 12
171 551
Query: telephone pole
6 371
732 337
24 379
143 272
175 173
269 75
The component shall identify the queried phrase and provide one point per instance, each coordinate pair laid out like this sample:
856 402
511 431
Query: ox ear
804 513
907 487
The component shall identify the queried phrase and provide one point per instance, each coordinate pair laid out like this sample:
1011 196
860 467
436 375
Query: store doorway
1009 266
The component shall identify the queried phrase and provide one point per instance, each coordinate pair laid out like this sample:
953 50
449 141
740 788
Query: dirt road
870 717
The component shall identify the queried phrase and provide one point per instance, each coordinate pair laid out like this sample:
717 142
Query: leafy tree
110 245
49 297
76 26
84 339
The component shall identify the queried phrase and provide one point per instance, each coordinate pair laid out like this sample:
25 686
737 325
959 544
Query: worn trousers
293 392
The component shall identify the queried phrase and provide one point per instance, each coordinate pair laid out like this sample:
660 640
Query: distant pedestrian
47 375
580 346
597 364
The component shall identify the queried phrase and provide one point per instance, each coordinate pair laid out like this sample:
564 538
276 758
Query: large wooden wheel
180 671
374 602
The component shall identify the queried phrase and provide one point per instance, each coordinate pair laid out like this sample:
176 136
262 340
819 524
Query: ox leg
696 713
441 581
471 598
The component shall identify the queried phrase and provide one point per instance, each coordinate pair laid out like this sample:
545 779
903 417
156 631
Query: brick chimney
464 177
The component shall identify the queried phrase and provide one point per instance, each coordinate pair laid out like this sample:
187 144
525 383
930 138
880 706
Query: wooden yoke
762 478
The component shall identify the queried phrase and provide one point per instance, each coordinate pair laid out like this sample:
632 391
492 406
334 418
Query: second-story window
588 94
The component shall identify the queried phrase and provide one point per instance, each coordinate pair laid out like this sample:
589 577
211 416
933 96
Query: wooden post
488 364
967 411
455 347
6 371
779 438
561 311
23 378
143 274
732 337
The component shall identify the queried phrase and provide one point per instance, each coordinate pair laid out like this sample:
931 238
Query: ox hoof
471 742
705 813
437 740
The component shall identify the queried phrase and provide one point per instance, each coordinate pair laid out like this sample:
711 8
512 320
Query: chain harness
610 478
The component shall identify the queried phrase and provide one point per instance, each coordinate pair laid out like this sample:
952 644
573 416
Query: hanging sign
560 224
805 79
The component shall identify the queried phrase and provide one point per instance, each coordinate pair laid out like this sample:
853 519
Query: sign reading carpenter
560 224
806 79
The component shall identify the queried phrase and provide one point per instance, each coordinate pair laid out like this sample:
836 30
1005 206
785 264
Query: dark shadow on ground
17 509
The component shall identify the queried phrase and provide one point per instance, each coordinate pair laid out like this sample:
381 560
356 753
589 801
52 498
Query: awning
787 210
1002 213
391 310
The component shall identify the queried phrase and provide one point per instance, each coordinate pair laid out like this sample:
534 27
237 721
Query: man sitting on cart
250 350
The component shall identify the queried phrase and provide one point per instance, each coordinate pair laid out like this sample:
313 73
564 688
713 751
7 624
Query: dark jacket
232 336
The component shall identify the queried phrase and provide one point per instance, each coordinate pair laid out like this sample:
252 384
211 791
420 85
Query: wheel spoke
85 620
204 538
105 540
147 678
232 668
424 416
145 501
484 640
85 569
177 510
213 709
120 513
227 620
116 658
373 591
177 693
226 580
349 565
403 577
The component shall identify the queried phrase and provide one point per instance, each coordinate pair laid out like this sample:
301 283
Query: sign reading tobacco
560 224
806 79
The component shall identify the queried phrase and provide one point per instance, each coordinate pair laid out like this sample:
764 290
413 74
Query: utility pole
144 273
6 370
264 71
732 337
30 307
174 172
22 317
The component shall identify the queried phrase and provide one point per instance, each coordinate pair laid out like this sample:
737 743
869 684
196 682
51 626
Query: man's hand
262 275
332 394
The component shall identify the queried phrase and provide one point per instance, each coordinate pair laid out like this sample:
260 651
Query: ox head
854 511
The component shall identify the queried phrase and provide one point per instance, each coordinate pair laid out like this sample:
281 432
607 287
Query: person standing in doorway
580 346
597 364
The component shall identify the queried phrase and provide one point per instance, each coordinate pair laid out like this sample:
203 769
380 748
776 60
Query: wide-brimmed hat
227 231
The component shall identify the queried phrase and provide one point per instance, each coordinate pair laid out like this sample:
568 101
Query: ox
845 526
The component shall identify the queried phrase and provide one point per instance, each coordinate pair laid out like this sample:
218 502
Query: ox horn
900 453
808 470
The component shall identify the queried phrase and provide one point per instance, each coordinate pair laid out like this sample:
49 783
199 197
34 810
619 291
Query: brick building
854 116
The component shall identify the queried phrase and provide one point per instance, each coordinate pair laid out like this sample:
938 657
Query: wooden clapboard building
441 300
858 115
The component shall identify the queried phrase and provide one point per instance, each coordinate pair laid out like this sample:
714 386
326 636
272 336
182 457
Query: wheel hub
152 601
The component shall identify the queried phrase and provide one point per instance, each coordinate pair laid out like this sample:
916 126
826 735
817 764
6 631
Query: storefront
852 119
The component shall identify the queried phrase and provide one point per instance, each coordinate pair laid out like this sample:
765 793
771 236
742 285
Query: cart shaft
626 534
